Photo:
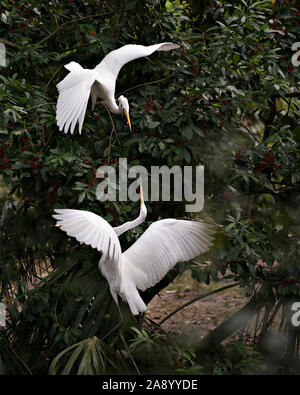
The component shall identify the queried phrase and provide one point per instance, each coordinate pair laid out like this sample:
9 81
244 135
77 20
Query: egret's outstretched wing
116 59
74 91
90 229
165 243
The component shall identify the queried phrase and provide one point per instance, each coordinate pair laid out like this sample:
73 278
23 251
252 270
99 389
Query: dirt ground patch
201 317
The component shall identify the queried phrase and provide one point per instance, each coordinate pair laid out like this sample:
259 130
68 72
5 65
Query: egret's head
123 103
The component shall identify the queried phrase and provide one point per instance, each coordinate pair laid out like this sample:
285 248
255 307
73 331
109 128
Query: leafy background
228 100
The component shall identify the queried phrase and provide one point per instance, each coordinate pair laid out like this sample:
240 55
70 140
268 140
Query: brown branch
228 327
10 44
149 294
70 22
113 130
40 105
140 85
195 300
251 134
269 120
292 94
51 79
20 359
129 354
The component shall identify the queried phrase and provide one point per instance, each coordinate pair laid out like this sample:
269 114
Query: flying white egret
148 260
76 87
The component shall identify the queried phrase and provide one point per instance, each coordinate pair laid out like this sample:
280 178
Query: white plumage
76 87
148 260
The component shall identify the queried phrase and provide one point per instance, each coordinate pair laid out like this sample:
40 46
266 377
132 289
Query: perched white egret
76 87
148 260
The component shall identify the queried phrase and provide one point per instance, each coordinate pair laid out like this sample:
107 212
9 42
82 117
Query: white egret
76 87
148 260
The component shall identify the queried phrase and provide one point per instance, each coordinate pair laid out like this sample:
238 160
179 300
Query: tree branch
70 22
231 325
169 277
292 94
140 85
251 134
10 44
195 300
269 120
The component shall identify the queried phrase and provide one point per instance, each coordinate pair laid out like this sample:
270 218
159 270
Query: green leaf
187 132
236 58
130 4
81 197
142 147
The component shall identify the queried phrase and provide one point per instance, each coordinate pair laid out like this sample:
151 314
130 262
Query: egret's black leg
117 326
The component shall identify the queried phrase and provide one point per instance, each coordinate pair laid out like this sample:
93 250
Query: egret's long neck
112 105
132 224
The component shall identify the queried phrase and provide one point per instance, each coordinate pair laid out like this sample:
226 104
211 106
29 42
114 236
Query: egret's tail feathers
74 91
136 303
130 294
167 46
73 66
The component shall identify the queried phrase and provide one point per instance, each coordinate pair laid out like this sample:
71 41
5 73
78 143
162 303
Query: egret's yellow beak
128 119
142 195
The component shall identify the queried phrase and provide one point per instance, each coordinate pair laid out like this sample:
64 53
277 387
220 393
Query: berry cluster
4 163
289 282
268 162
240 151
149 105
195 68
34 160
93 170
25 142
112 209
51 198
290 69
226 196
57 184
190 98
276 25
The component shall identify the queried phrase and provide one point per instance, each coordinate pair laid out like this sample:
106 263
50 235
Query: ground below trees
198 319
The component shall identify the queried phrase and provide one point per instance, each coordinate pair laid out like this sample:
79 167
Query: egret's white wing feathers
90 229
73 66
116 59
74 91
164 243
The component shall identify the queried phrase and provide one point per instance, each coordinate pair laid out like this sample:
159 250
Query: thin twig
49 82
129 353
113 129
34 258
140 85
39 105
10 44
250 205
20 359
251 134
292 94
70 22
196 299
